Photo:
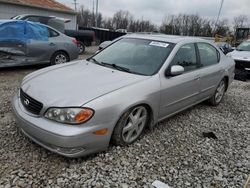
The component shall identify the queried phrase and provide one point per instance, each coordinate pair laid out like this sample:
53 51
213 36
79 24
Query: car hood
240 55
75 84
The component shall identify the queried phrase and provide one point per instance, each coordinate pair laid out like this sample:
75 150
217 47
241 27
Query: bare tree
191 25
240 21
85 18
107 23
222 28
121 19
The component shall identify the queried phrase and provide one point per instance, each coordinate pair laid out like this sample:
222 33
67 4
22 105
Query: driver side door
180 92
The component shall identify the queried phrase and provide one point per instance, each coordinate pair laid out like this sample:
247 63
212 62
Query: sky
156 10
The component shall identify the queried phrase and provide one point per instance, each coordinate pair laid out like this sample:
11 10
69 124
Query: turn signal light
101 132
83 115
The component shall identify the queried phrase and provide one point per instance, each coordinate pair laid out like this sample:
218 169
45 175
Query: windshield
245 46
137 56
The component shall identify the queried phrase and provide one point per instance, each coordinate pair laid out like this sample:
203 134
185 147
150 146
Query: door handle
52 44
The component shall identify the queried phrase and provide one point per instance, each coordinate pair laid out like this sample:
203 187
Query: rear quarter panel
64 43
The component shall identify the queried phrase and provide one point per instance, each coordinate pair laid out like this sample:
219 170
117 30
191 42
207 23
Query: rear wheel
130 126
219 93
59 58
81 47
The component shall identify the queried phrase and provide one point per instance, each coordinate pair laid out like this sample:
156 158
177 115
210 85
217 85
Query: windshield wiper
239 49
117 67
94 60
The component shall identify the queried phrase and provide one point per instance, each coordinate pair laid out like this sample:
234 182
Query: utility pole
75 3
96 15
218 16
93 10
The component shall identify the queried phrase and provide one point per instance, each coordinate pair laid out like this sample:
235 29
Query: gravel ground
175 152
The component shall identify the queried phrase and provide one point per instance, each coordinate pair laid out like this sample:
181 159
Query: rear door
211 70
181 91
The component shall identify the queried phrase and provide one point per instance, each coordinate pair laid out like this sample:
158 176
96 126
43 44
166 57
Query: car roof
166 38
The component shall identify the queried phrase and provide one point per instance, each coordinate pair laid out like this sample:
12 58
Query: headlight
69 115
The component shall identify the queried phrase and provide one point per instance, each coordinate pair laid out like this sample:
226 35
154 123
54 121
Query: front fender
110 107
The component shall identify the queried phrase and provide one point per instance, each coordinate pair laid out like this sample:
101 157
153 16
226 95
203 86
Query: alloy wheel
220 92
60 58
135 124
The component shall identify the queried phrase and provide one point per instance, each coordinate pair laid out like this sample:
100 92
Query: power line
218 17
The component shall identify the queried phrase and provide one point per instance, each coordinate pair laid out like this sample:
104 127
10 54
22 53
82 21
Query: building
11 8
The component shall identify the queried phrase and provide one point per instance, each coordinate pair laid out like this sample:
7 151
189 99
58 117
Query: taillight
74 41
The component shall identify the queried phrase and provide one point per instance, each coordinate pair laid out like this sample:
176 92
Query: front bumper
66 140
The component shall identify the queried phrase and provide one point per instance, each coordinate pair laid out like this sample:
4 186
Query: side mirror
175 70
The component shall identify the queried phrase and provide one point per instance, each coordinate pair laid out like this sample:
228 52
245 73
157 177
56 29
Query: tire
81 46
130 126
59 58
216 99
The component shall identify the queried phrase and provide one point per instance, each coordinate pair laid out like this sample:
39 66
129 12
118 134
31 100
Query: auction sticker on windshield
159 44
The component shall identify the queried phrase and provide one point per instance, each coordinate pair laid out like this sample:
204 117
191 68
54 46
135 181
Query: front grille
30 104
242 64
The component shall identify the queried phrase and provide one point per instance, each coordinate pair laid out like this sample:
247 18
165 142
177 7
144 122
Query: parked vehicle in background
241 56
122 30
28 43
224 46
84 37
241 35
113 96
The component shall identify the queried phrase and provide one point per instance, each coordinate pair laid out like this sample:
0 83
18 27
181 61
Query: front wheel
130 126
59 58
219 94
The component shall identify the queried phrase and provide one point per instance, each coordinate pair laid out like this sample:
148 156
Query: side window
33 19
186 57
52 33
208 54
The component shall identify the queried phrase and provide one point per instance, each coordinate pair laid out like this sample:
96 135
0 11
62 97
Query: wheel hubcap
134 125
60 59
220 92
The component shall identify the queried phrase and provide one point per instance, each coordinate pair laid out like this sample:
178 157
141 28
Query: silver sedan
79 108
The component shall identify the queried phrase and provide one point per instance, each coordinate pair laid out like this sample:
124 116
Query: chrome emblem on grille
26 102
